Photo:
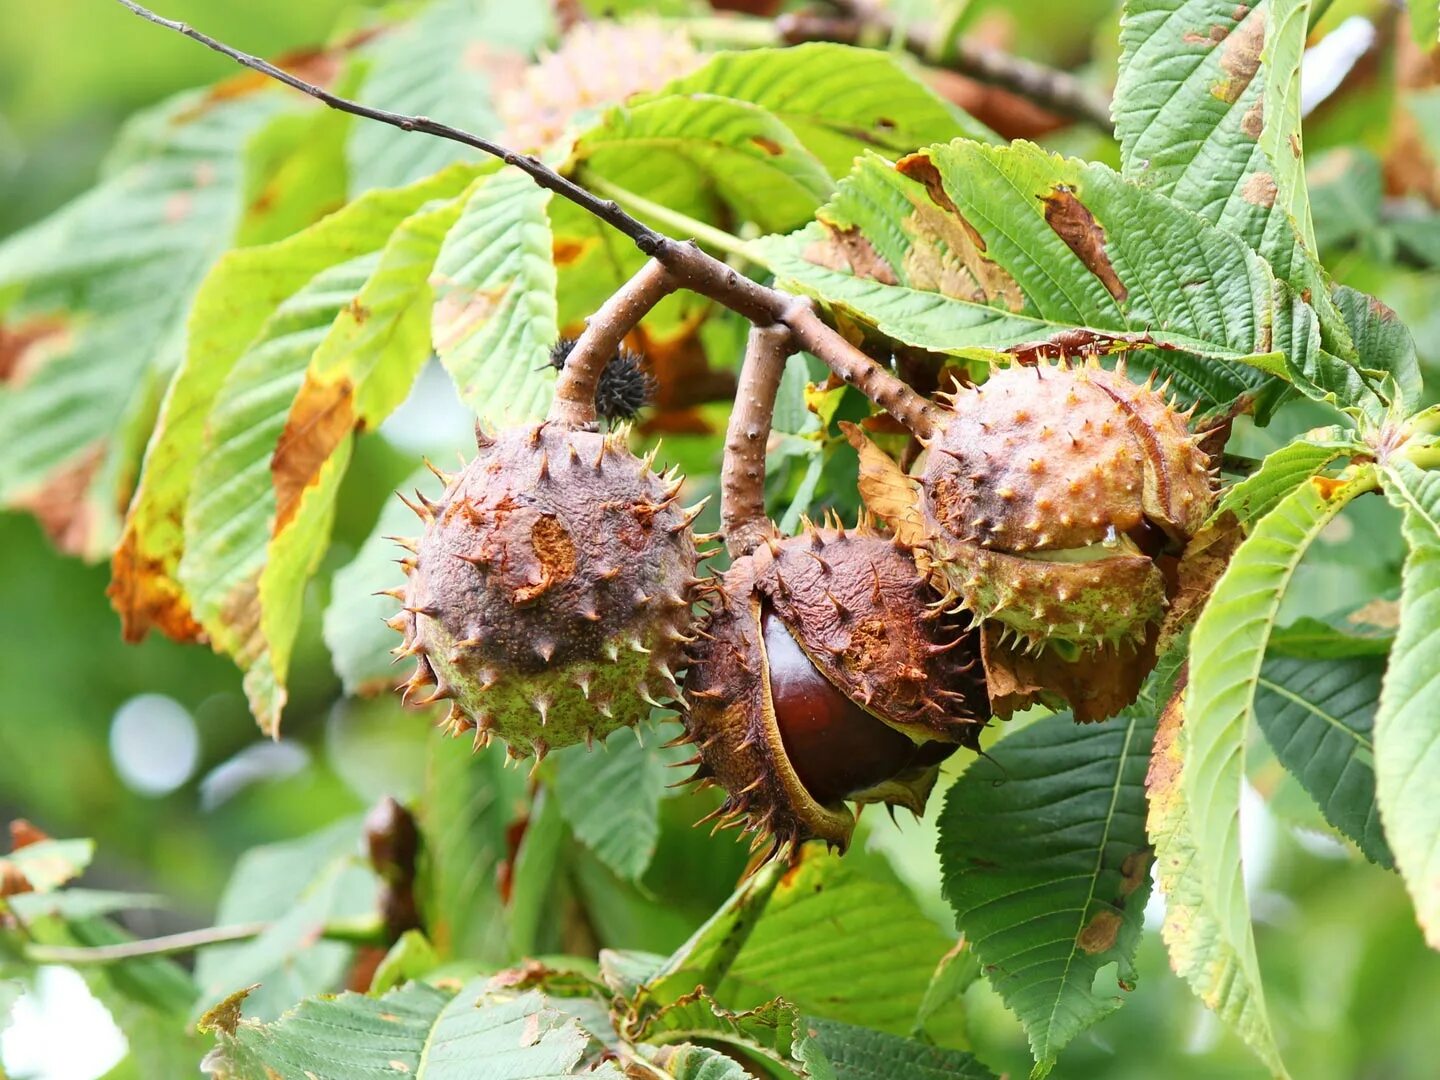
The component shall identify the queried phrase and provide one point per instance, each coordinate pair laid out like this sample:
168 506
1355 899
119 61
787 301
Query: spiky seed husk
860 608
523 604
1049 491
798 702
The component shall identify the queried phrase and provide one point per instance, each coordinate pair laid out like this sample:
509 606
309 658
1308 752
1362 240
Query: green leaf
1318 717
773 1034
105 284
1207 111
748 953
611 798
416 1031
449 62
470 801
537 891
495 310
412 957
839 101
239 297
973 250
1046 864
295 173
702 142
297 887
231 509
1407 732
686 1061
956 973
81 903
1347 187
1311 639
357 375
1207 925
1281 473
861 1054
1383 342
1424 22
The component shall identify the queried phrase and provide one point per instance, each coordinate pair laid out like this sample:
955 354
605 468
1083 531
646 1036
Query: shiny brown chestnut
827 675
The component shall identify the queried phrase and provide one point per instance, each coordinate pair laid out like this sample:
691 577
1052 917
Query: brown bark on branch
742 480
574 402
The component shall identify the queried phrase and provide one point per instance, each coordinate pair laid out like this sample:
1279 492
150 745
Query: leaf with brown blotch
25 345
321 416
886 490
1076 225
63 506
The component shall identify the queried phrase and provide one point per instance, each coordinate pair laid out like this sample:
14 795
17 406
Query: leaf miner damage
1073 222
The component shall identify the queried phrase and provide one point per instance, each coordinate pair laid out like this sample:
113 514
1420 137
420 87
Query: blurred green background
150 748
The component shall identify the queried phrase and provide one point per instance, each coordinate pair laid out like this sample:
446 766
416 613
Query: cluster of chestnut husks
551 598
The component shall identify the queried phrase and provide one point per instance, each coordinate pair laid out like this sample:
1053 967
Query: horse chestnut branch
742 477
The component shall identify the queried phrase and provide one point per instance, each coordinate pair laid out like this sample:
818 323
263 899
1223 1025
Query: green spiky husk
1078 606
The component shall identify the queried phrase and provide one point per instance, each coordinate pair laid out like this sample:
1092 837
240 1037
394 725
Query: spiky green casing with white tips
1050 491
828 674
549 597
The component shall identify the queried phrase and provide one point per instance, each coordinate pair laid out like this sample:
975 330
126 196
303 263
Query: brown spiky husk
1047 458
866 616
550 596
863 615
1056 501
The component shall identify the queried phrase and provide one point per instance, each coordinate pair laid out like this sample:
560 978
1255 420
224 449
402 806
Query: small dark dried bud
625 387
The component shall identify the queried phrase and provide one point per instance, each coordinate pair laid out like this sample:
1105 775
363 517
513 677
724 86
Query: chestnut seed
836 748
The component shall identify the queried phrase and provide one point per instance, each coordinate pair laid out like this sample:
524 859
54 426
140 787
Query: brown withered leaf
1162 778
225 1017
849 251
321 417
1204 560
1077 341
887 492
13 880
145 594
1095 687
676 359
947 253
23 833
63 506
